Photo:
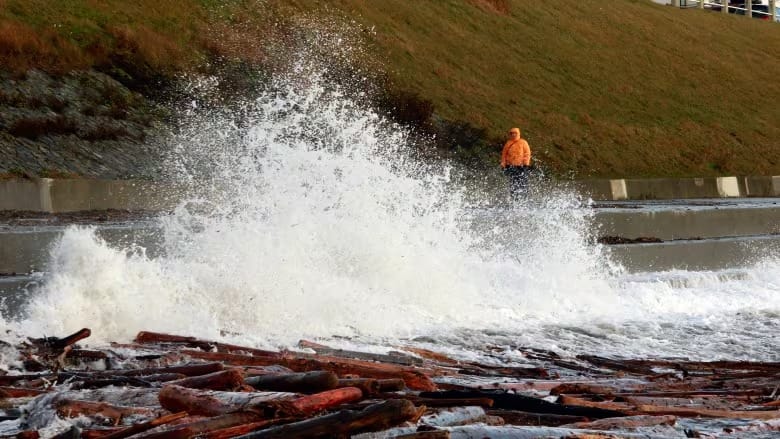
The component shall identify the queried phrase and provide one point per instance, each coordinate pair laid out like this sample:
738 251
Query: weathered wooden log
59 344
406 360
147 337
451 402
229 379
213 403
709 402
707 413
622 409
756 426
586 388
186 370
414 378
203 426
310 404
74 408
624 423
18 392
455 416
73 432
430 355
391 385
115 381
621 365
434 434
87 354
517 417
239 430
369 386
6 380
707 365
301 382
144 426
691 393
519 372
343 423
511 401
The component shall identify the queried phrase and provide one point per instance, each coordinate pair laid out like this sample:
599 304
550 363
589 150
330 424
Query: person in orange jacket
516 162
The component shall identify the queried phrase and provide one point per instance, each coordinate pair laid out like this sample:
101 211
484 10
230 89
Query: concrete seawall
680 188
69 195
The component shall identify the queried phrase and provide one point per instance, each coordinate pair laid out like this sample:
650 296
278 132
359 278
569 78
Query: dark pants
518 180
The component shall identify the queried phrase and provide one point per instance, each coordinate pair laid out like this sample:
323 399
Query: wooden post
773 10
701 4
749 7
676 3
724 6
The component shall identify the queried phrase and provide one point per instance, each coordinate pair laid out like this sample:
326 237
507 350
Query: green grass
618 88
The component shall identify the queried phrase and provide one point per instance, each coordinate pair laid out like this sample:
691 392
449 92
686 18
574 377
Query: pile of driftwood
169 386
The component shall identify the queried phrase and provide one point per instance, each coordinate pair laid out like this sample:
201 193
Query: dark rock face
81 124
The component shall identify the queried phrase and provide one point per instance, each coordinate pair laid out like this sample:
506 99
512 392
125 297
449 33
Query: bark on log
302 382
586 388
625 423
391 385
310 404
346 422
406 360
430 355
454 402
238 430
19 392
105 382
435 434
59 344
633 367
369 386
186 370
622 409
213 403
6 380
146 337
516 417
706 413
414 379
519 372
199 427
224 380
502 400
144 426
74 408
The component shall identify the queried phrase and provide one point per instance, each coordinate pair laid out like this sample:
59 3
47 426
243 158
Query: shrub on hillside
35 127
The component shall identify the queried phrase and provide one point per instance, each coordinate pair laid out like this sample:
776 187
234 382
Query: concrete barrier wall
20 195
50 195
680 188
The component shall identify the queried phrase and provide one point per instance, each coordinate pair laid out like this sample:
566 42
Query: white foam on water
313 218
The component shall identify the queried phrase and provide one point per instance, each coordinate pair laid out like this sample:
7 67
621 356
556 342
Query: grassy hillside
625 87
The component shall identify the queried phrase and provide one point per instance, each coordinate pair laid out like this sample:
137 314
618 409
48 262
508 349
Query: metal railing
761 11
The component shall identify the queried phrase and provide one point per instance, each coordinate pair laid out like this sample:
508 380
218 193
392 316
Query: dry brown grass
23 48
142 45
498 6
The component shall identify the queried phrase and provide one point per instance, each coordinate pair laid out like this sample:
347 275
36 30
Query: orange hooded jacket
516 153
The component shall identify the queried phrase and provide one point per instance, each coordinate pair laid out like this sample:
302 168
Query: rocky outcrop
81 124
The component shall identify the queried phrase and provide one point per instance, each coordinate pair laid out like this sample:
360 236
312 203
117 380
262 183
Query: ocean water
315 218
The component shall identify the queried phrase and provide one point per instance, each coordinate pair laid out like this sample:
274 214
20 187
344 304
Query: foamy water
313 218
